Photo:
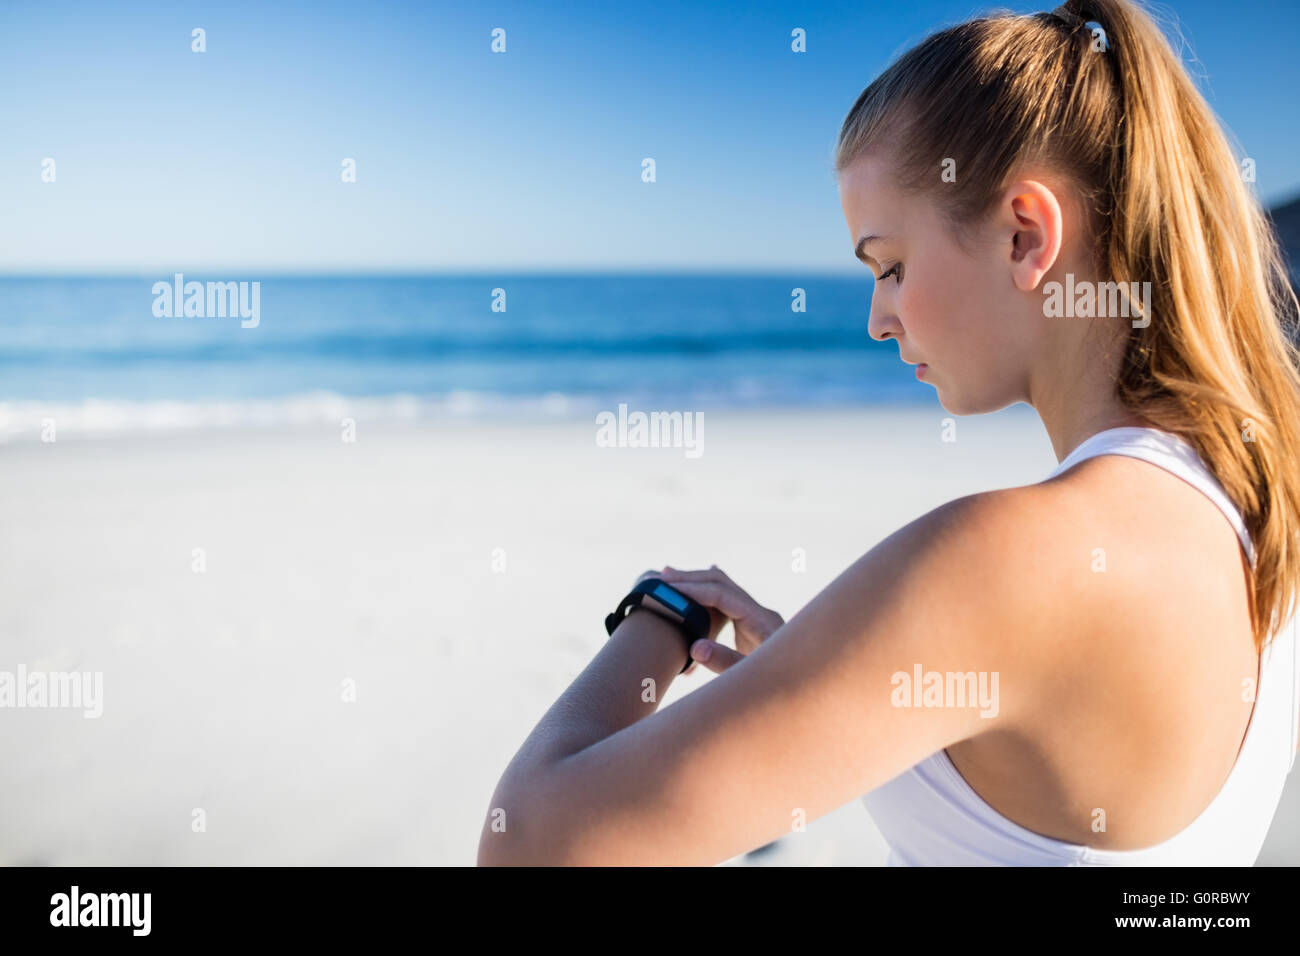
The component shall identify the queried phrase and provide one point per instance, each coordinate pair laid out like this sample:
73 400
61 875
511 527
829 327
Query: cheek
930 309
946 308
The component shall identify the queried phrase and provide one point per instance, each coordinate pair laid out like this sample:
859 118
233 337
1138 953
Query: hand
717 620
753 623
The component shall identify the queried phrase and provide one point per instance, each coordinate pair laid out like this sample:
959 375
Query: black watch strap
657 595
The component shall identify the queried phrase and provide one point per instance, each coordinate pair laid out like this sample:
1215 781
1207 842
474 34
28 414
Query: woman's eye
893 271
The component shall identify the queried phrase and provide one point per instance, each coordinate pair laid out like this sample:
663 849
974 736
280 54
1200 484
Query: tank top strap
1169 451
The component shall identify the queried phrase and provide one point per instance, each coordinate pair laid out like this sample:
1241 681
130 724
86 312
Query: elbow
503 848
490 851
488 848
520 833
501 843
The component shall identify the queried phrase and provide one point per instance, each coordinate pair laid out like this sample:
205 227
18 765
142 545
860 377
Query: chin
956 404
954 408
951 402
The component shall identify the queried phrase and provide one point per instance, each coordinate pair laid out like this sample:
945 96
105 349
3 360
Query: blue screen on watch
670 597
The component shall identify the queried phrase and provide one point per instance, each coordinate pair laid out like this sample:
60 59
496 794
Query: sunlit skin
798 721
974 314
976 317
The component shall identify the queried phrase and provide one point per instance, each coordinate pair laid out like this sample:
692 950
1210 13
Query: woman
1132 614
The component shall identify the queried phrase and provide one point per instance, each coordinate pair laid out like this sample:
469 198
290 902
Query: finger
711 573
716 657
723 575
730 600
755 614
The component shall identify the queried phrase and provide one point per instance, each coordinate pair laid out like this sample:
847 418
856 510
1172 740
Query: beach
319 651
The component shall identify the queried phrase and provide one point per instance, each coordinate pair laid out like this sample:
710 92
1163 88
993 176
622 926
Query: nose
882 322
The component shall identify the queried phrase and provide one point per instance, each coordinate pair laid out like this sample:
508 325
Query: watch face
672 598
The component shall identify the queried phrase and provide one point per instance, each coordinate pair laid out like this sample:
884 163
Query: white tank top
930 816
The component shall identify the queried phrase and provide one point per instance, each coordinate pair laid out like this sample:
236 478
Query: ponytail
1094 90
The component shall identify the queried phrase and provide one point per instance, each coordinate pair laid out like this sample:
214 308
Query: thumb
716 657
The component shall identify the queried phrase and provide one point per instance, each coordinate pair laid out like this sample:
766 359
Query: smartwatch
655 594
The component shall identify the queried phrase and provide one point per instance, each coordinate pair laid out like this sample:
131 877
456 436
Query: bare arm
808 721
610 694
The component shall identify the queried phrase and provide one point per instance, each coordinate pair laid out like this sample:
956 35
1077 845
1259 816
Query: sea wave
35 420
47 421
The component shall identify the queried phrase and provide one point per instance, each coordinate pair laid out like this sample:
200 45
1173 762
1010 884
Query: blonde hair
1166 202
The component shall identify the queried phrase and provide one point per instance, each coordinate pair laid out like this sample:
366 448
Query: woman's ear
1032 218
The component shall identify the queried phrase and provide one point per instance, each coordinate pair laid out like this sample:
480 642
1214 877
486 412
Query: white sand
372 561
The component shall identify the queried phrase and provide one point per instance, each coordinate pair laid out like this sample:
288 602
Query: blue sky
468 160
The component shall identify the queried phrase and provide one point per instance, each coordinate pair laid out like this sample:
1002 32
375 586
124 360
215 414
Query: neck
1074 394
1068 431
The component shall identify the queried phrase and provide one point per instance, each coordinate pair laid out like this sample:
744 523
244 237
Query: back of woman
1165 740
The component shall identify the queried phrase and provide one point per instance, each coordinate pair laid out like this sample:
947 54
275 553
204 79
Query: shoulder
990 583
1018 576
1000 552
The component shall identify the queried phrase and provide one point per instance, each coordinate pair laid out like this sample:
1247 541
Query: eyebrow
859 251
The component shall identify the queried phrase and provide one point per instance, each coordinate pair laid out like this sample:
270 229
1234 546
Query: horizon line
279 272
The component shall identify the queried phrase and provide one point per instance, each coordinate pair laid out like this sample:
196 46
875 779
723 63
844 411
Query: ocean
108 355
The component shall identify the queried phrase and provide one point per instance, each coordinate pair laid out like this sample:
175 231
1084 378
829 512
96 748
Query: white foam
27 420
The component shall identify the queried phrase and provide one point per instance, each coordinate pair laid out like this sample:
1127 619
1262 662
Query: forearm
611 693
